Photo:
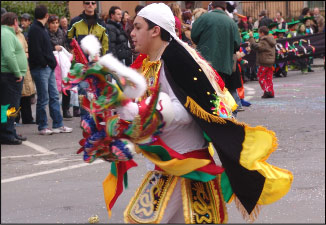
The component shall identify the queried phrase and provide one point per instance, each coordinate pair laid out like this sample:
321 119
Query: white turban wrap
160 14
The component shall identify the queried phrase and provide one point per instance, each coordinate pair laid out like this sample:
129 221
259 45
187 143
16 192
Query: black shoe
30 122
20 137
267 95
285 73
14 141
66 114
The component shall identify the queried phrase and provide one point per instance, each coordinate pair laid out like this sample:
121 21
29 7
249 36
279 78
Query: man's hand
20 79
250 34
58 48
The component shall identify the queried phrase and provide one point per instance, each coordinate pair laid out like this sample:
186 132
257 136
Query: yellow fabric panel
258 144
229 100
175 166
109 188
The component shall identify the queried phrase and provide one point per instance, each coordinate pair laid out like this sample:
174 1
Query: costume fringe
248 217
198 111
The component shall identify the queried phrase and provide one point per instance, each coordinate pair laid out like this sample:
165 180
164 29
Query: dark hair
112 10
52 18
221 4
40 12
9 18
138 8
263 29
165 36
305 11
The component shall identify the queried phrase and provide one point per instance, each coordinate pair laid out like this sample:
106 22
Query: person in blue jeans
42 64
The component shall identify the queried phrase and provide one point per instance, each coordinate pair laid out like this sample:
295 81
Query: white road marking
38 148
49 172
249 92
23 156
62 160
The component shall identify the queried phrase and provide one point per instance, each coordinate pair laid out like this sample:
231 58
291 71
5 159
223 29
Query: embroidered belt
202 201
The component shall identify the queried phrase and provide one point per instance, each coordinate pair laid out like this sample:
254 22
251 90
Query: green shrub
60 8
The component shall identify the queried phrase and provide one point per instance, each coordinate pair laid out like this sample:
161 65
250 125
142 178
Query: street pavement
45 181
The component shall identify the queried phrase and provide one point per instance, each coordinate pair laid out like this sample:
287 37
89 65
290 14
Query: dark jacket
59 38
265 22
40 49
217 38
81 26
118 42
265 50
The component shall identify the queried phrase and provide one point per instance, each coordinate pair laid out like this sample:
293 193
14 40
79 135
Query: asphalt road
44 181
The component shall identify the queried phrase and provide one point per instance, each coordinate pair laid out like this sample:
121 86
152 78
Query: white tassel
137 87
91 46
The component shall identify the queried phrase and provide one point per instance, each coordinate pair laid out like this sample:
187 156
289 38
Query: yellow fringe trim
198 111
248 217
186 210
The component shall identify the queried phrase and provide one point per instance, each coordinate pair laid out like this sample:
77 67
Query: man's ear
156 31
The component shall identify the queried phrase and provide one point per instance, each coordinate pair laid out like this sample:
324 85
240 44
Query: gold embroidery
150 70
202 201
151 198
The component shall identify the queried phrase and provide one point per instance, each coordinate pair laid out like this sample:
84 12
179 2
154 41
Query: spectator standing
250 23
319 19
28 87
265 58
3 11
80 26
243 23
281 22
304 13
175 8
125 19
59 41
13 69
64 25
42 64
264 21
217 38
25 23
119 42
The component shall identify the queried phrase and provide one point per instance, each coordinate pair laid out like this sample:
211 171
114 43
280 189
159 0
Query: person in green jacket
13 69
217 38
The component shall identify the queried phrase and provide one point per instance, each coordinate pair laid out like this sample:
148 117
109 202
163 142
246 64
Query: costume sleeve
8 51
256 46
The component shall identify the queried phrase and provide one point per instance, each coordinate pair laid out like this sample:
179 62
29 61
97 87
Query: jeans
47 94
10 93
82 90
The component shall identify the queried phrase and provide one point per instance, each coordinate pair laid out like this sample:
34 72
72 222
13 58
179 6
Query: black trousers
66 101
10 93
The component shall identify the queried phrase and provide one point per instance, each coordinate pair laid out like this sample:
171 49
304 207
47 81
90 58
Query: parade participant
302 63
185 175
280 68
292 26
265 58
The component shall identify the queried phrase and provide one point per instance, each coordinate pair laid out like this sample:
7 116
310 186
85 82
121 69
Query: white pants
174 209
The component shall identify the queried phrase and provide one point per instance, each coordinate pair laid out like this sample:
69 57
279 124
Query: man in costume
183 184
189 187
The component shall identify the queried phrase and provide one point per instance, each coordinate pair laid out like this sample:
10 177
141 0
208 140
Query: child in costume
265 58
184 185
280 68
302 63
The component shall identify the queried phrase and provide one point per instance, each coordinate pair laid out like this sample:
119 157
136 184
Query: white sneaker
45 131
62 129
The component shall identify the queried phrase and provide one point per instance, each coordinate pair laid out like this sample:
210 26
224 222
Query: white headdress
160 14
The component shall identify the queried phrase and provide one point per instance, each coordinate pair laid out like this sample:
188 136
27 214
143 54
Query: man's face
25 23
141 36
278 16
89 7
117 15
63 23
